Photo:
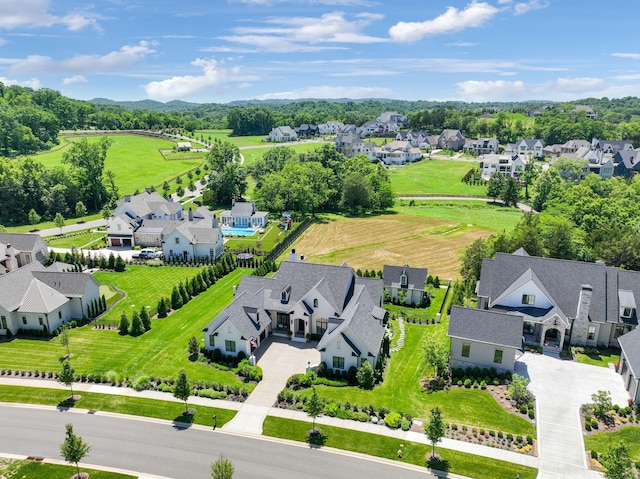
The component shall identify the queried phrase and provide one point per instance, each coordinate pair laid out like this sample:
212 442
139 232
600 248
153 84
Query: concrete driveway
279 359
561 387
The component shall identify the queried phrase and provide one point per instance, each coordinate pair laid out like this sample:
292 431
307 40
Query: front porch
544 335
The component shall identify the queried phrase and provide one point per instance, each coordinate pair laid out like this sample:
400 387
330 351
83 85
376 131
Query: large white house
18 250
148 219
282 134
34 297
397 153
329 302
507 165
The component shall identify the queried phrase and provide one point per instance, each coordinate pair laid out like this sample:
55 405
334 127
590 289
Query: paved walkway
561 387
400 342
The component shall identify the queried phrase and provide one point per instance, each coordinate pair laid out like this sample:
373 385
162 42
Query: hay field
397 239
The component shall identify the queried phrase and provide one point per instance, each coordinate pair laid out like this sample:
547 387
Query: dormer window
315 302
626 312
284 294
403 280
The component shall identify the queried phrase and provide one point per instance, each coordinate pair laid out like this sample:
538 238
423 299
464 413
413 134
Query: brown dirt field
368 243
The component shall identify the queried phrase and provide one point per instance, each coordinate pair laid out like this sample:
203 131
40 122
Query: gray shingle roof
416 277
23 242
630 345
14 285
486 326
69 284
40 298
563 281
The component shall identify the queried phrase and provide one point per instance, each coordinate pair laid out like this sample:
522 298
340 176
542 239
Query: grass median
453 462
168 410
29 469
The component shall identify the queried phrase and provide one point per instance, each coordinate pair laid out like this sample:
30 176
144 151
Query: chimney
580 331
235 288
233 202
190 215
293 257
214 222
127 198
302 258
148 190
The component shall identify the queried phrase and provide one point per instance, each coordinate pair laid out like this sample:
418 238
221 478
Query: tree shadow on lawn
316 439
184 420
438 464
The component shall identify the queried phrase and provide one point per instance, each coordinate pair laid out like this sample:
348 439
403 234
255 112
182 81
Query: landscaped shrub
360 416
393 420
467 383
523 409
405 424
308 379
352 375
483 385
531 413
530 440
212 394
331 409
321 370
142 383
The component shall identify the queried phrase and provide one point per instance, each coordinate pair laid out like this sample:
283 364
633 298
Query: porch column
542 335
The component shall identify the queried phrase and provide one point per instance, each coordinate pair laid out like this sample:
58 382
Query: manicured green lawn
45 225
76 241
491 216
143 285
169 410
134 160
224 135
602 358
419 313
30 469
453 462
253 154
401 390
160 352
434 177
602 441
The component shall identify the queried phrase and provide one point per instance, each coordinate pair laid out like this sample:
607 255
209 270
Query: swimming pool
238 231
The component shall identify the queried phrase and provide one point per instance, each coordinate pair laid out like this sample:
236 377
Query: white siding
481 355
514 300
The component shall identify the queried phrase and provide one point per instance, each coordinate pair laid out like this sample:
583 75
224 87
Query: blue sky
225 50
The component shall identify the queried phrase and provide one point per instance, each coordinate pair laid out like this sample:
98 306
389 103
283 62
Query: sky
218 51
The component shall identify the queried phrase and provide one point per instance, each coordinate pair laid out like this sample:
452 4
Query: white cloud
453 20
116 60
305 34
461 44
577 85
332 92
629 76
524 7
634 56
365 72
74 79
187 85
31 83
474 90
35 13
343 3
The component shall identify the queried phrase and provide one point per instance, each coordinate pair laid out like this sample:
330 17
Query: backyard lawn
160 352
134 160
401 390
81 239
430 235
434 177
453 462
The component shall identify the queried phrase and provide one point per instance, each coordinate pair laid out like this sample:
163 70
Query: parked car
145 254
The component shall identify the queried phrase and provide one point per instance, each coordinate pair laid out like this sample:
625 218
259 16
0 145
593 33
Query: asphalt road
159 448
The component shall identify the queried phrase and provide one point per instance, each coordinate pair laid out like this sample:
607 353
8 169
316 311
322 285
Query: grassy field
85 237
224 135
31 469
134 160
453 462
45 225
434 177
401 390
253 154
433 235
159 352
169 410
602 441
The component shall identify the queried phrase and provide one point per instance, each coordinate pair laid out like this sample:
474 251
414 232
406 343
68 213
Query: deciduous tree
435 429
183 389
74 449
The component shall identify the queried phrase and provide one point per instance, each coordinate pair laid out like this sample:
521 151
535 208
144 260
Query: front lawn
401 390
160 352
453 462
80 239
32 469
602 441
597 357
169 410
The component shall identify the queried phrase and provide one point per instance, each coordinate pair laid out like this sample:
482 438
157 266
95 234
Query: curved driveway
157 447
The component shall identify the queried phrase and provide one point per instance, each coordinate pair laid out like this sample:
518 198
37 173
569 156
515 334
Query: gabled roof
630 345
562 281
23 242
484 326
69 284
13 285
243 208
416 277
529 142
40 298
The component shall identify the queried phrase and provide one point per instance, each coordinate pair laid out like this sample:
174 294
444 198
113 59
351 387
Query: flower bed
487 437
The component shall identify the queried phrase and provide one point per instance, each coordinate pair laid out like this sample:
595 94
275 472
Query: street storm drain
35 458
91 411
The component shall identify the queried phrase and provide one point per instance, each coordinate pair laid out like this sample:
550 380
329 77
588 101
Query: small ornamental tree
365 375
59 221
144 317
111 261
194 347
182 389
123 327
222 469
66 376
314 407
176 299
81 209
602 404
136 328
436 354
518 389
74 449
64 339
434 429
162 308
617 462
34 217
119 265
